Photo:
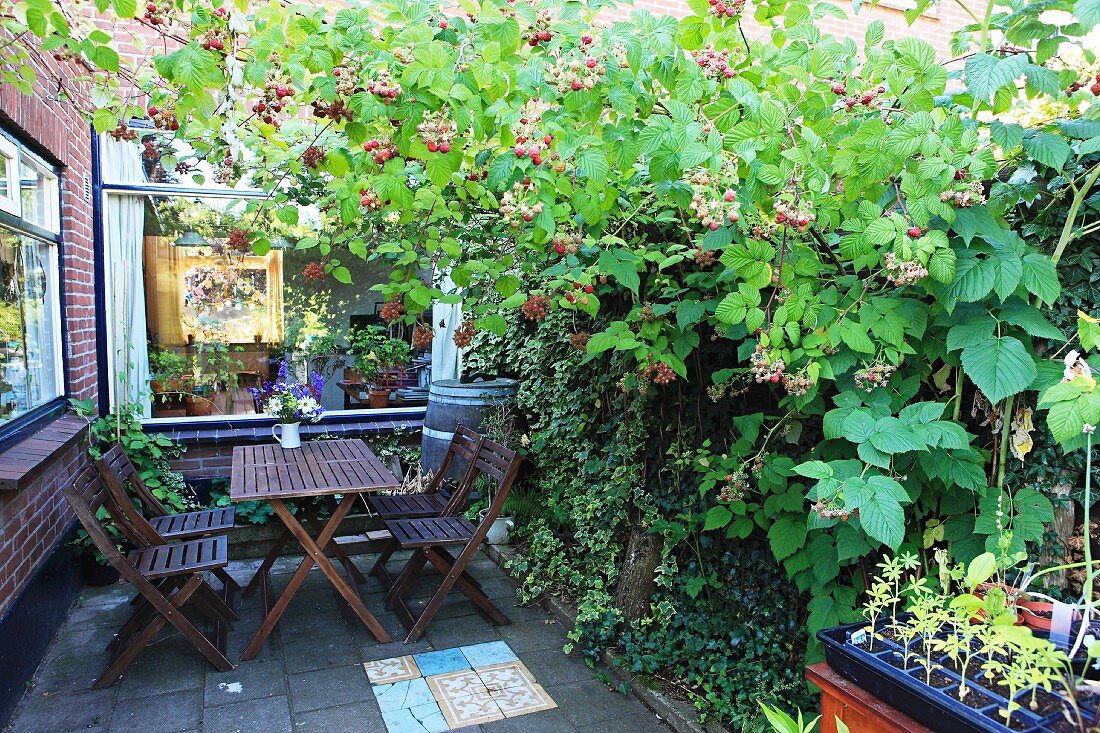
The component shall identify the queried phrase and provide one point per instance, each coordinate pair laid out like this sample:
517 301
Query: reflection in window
28 325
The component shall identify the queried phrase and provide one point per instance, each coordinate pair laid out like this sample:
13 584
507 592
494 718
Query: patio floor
311 678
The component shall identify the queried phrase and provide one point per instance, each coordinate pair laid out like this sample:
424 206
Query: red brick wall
33 520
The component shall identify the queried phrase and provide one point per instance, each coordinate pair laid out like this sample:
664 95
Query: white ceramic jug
290 437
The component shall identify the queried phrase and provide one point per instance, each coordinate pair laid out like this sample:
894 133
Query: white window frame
10 201
51 215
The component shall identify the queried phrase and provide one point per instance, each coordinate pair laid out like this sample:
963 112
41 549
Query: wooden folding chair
464 446
118 472
430 537
431 503
167 578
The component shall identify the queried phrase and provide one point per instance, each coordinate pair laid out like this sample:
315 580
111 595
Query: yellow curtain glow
164 290
273 333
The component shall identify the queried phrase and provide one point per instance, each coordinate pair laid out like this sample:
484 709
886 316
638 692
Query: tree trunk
637 579
1063 526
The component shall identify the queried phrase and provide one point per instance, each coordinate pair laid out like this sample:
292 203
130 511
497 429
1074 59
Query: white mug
290 437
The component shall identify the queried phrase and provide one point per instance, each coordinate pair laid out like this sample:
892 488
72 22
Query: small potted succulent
291 402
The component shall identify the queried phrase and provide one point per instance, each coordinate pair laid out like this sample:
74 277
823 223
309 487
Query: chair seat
189 525
436 531
407 506
163 561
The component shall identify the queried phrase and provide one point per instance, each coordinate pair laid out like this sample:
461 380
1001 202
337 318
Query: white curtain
123 249
446 357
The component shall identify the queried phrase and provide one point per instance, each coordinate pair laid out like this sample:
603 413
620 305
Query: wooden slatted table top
318 468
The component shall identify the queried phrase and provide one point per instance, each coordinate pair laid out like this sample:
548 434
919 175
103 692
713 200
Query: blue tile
426 718
441 662
402 721
491 652
404 694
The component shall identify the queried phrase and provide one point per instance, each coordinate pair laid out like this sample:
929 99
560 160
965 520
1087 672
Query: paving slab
267 715
171 712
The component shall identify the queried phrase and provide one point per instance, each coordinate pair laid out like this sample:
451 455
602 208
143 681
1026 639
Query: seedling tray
907 692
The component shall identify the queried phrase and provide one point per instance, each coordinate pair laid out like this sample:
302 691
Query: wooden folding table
342 469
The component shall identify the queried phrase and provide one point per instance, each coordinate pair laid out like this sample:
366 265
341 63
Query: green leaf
493 323
970 333
125 8
1088 13
880 511
1040 277
717 517
876 30
787 536
814 469
1048 148
1000 367
893 436
981 569
342 274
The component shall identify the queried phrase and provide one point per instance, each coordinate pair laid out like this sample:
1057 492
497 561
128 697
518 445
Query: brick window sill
28 458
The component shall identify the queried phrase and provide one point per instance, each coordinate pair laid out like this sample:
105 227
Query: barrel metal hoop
437 434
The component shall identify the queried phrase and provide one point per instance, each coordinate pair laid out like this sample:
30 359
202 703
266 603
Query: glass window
29 325
38 194
9 176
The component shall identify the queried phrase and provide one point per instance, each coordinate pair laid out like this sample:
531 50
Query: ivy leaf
787 536
1000 367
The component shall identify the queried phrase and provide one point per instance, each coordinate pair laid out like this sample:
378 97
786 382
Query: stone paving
310 677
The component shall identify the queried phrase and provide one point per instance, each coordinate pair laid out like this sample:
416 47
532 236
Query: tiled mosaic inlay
454 688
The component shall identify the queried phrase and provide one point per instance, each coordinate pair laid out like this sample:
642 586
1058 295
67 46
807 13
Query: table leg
314 556
269 560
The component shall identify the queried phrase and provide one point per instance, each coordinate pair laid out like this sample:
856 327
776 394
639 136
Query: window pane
39 195
28 325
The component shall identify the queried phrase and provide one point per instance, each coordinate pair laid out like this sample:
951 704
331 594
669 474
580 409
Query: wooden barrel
452 403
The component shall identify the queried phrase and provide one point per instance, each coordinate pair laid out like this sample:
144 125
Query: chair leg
379 570
436 601
403 583
468 586
222 610
129 652
268 561
227 579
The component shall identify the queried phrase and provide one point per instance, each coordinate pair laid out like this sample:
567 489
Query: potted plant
375 356
290 402
169 372
360 341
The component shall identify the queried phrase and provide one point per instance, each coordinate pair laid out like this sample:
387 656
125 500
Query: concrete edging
680 716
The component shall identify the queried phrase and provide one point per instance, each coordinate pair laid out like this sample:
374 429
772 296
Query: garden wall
38 575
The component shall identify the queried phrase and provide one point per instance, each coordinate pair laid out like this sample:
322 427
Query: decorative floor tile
456 684
395 669
450 689
441 662
405 694
503 676
515 701
492 652
470 709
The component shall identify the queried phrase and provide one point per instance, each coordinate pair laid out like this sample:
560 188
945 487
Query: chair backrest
499 464
115 463
464 446
86 494
128 518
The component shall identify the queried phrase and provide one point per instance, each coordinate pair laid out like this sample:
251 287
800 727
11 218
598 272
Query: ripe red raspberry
1095 89
314 271
443 24
589 289
914 232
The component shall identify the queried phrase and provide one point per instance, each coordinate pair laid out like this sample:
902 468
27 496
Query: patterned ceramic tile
425 718
395 669
454 688
492 652
470 709
528 698
503 676
456 684
404 694
441 662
